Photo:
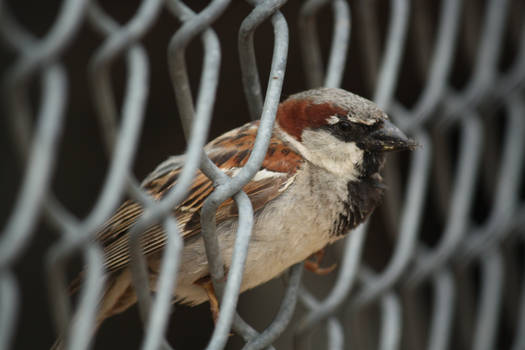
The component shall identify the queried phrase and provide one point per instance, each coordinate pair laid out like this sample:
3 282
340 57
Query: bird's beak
389 139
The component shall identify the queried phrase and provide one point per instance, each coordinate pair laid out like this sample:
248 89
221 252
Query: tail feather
118 296
60 342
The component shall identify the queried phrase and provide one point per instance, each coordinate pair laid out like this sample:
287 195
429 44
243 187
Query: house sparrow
320 179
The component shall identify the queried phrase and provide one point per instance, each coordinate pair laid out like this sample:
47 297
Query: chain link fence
443 264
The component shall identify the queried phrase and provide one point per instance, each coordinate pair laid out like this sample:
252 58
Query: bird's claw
314 265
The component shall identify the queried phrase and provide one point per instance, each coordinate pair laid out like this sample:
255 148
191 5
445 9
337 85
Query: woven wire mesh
453 217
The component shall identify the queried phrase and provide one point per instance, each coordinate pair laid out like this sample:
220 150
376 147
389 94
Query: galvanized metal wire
437 290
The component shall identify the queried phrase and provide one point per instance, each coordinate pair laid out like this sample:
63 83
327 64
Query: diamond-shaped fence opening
96 94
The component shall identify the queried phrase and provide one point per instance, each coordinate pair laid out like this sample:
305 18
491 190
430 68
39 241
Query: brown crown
295 115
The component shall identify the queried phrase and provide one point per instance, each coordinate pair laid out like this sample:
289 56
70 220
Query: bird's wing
229 152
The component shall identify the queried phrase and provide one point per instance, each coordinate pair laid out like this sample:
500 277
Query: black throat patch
372 163
364 196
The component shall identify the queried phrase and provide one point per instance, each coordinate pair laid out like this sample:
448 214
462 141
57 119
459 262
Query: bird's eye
344 125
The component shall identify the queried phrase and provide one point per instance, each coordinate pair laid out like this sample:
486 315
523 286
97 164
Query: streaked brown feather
228 153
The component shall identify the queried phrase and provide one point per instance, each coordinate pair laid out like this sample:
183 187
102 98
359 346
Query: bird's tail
60 342
117 297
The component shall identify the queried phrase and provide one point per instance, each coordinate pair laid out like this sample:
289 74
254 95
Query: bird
320 179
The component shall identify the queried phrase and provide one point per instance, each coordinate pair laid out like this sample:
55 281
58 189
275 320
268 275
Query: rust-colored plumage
296 115
228 154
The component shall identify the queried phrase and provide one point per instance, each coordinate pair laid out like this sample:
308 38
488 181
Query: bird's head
340 132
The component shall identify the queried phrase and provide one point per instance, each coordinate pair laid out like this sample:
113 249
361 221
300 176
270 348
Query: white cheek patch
336 156
350 151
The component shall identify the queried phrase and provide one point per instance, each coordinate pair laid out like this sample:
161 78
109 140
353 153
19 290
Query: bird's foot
207 285
314 265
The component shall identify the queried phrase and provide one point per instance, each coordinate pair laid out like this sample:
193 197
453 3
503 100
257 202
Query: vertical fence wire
458 282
